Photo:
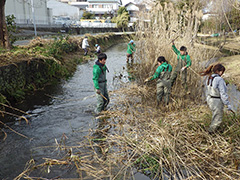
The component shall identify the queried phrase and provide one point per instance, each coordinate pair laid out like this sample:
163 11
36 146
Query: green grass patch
148 164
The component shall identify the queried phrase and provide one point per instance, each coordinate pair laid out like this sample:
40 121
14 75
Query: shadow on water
61 110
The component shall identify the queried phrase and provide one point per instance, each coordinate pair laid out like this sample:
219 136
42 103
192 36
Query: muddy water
65 108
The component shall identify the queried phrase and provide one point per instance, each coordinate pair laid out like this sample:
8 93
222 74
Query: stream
62 110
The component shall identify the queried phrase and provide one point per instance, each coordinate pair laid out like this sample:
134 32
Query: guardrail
86 28
100 25
85 25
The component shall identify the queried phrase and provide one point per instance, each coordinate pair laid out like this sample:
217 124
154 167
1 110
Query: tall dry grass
176 140
158 142
157 29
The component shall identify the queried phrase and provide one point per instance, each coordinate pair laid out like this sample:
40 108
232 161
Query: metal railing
98 25
85 25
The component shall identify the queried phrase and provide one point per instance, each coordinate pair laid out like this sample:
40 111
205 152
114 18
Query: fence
84 25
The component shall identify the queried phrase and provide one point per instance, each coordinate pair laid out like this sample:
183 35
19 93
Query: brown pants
130 56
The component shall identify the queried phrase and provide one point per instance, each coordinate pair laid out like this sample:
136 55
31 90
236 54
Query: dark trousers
85 51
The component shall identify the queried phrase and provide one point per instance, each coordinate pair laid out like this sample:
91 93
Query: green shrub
60 46
12 28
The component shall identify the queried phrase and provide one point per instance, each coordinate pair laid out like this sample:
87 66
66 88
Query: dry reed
168 142
156 141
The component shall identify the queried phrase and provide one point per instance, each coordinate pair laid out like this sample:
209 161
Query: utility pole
34 22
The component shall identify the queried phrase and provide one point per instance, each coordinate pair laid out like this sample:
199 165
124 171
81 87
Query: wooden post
4 38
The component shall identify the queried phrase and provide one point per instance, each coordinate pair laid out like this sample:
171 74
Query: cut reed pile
159 142
175 143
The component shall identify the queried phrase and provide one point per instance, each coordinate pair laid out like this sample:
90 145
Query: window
107 6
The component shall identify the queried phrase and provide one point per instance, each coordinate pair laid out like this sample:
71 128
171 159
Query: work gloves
183 68
148 79
98 91
229 107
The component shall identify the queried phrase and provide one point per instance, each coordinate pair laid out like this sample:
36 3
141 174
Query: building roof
136 7
140 6
129 4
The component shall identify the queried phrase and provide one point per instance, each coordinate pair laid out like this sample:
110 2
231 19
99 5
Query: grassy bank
161 141
227 42
232 74
227 51
27 68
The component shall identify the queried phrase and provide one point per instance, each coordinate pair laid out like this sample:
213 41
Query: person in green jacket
163 74
100 82
183 62
130 50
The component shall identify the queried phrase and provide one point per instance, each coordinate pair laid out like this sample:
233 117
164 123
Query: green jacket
184 58
162 68
131 48
99 74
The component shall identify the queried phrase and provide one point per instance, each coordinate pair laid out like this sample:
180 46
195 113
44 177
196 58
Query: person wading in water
100 83
130 51
98 49
216 94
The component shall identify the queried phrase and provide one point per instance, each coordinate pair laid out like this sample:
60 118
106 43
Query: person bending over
162 74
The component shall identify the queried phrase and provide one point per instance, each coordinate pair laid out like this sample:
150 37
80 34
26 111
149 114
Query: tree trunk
4 39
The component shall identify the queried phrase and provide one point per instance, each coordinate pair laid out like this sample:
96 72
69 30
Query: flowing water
62 110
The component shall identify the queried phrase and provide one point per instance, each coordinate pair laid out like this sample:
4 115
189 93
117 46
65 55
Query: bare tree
4 38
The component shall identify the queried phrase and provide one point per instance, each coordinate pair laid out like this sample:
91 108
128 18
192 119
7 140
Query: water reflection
63 108
234 97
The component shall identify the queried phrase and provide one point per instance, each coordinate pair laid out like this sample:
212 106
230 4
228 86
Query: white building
63 10
100 7
133 10
81 4
64 1
23 11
